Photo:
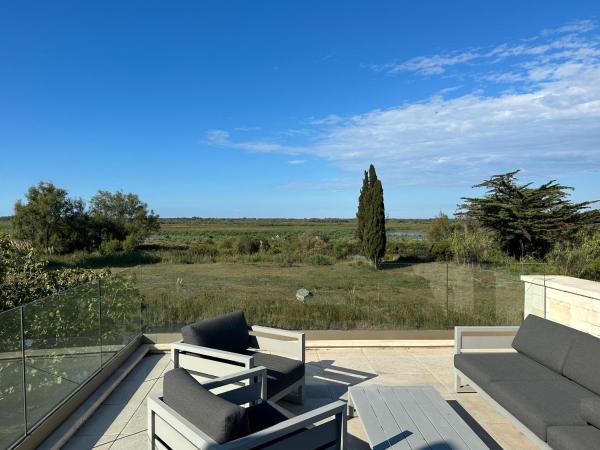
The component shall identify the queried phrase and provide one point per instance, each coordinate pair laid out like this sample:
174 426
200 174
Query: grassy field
265 228
346 295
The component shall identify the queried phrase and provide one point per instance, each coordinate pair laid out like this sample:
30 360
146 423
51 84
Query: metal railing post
100 320
24 378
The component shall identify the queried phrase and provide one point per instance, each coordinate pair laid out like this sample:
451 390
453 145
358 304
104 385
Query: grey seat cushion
281 372
542 403
228 332
583 361
590 410
483 368
263 416
583 437
544 341
221 420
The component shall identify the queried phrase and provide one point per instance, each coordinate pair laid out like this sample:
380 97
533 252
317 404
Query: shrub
204 249
309 242
130 243
111 246
320 260
441 250
440 228
474 246
578 258
247 245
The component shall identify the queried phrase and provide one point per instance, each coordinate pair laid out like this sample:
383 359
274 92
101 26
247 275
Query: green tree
372 218
362 204
120 216
440 228
528 220
50 220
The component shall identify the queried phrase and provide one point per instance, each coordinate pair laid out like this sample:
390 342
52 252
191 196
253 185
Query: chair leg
301 392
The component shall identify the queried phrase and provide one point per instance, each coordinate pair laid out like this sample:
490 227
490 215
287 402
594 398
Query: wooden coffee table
409 417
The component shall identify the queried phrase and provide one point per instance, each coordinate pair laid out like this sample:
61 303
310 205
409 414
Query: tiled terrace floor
120 422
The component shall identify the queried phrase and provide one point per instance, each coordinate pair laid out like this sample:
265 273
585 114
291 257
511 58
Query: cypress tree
371 215
362 201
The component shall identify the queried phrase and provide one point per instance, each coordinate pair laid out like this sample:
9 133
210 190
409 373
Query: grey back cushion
544 341
590 410
583 362
228 332
221 420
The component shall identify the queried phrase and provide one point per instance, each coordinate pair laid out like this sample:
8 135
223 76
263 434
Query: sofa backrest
228 332
221 420
583 362
544 341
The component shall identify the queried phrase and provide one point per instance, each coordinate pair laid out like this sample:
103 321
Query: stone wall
567 300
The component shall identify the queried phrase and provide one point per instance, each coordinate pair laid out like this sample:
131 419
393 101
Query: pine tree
371 217
528 220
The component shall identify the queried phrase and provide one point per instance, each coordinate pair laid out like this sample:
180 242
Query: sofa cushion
228 332
263 416
583 437
221 420
542 403
281 371
483 368
590 410
583 361
544 341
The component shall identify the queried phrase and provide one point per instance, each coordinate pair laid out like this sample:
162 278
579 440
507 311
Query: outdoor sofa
549 385
226 345
190 415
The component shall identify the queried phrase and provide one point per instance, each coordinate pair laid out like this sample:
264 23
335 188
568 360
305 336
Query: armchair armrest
247 393
335 409
209 361
484 337
289 343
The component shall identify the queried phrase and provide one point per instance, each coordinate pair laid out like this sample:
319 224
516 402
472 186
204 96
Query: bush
578 258
441 250
474 246
130 243
111 246
247 245
309 242
320 260
204 249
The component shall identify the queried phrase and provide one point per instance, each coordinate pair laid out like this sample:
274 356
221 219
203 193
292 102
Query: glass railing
52 346
422 295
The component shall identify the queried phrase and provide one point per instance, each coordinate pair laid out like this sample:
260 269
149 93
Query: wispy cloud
545 119
295 162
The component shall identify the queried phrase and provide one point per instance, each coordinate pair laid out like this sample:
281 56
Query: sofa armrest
255 389
209 361
484 337
289 343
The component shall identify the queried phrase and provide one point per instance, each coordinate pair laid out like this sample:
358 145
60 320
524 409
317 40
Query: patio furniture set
228 376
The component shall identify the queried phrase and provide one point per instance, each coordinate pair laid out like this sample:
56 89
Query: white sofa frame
210 363
168 429
477 339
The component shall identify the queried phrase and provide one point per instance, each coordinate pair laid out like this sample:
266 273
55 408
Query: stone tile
150 367
130 392
108 420
137 422
391 361
138 441
509 436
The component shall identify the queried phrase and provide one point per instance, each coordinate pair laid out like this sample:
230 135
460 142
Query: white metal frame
478 339
168 429
209 363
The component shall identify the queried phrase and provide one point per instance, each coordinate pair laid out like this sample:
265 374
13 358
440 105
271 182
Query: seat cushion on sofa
228 332
590 411
542 403
264 416
483 368
583 361
583 437
545 341
221 420
281 371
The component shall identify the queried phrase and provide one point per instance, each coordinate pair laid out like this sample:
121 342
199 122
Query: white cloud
296 162
547 122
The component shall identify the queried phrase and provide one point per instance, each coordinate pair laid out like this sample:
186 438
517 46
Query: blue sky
273 109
